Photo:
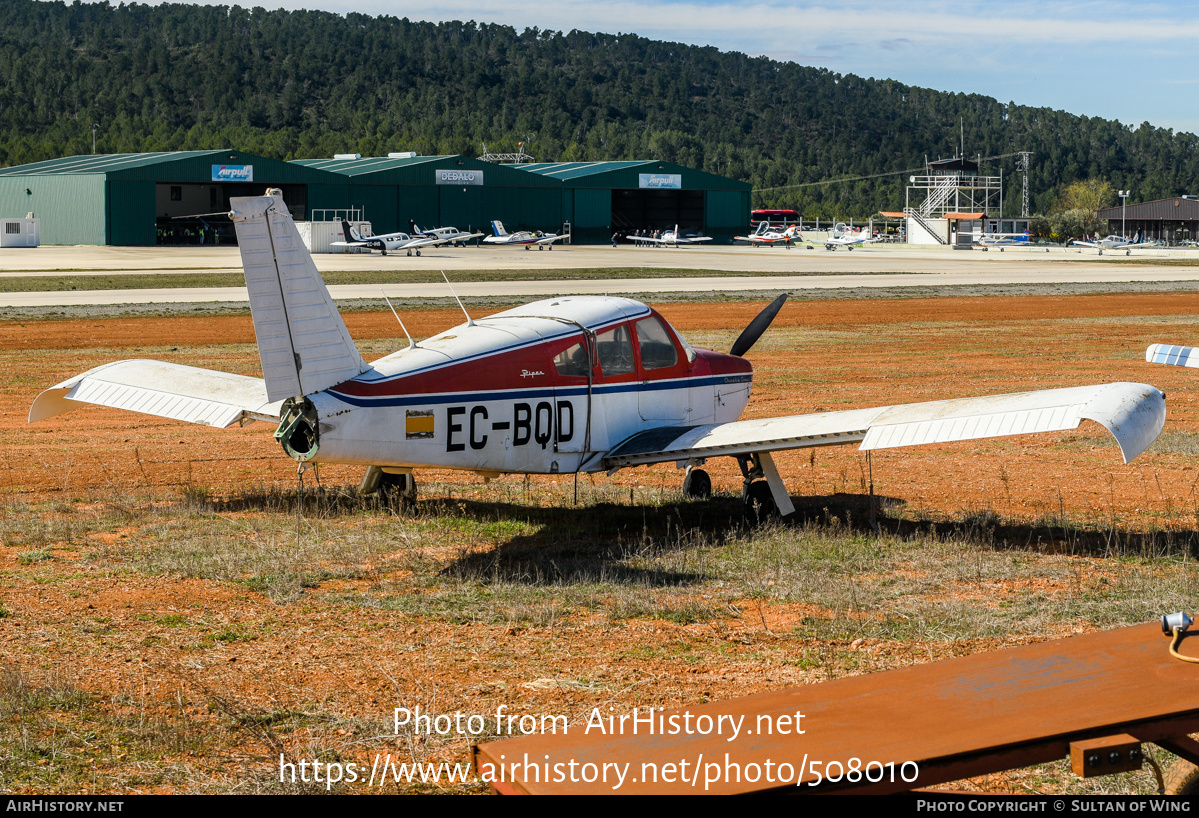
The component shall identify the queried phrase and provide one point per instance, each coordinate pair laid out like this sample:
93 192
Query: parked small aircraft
672 238
765 234
524 237
1112 243
843 236
383 242
1002 240
564 385
444 235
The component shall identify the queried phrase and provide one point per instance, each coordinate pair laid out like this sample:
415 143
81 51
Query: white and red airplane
559 386
525 237
770 236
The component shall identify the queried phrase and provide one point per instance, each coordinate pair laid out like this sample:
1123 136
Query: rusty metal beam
955 719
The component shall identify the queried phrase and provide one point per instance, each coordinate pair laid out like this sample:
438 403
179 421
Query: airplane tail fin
303 344
349 232
498 228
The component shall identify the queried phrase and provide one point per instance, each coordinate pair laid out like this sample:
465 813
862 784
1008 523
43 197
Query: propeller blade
756 327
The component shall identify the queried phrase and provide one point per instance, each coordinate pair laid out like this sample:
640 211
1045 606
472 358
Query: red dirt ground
361 663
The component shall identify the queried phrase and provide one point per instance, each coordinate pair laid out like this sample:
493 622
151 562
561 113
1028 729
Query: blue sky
1105 59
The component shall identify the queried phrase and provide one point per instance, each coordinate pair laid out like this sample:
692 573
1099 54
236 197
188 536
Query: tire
418 253
1182 778
400 486
759 503
697 485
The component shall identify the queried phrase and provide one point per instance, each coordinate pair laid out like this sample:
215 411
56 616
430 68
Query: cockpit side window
615 349
572 361
657 350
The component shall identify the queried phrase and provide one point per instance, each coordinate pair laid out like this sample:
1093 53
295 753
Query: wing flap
187 393
1133 412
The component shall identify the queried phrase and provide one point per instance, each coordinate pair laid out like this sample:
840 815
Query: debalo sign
459 177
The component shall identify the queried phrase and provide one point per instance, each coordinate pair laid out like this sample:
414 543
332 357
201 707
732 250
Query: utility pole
1124 194
95 128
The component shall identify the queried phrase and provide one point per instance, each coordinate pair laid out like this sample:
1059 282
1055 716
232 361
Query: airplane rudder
310 349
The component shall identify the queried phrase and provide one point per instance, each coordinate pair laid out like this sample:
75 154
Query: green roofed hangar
602 198
444 191
180 197
154 198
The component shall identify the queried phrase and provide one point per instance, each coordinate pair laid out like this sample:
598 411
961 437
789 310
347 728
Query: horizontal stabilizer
1133 412
1172 355
167 390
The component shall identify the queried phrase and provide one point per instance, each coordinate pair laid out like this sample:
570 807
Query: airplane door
662 393
572 397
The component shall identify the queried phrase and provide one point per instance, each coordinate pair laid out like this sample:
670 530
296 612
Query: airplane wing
646 239
1172 355
1080 243
167 390
1133 412
550 239
693 240
425 241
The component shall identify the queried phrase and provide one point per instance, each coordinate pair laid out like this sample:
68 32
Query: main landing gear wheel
697 485
401 486
759 503
418 253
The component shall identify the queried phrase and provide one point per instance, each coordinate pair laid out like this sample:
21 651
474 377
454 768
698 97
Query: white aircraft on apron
560 386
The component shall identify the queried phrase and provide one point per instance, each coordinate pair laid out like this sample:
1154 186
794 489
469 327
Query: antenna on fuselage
469 321
411 343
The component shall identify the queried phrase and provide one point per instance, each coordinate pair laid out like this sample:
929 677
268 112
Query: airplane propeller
750 335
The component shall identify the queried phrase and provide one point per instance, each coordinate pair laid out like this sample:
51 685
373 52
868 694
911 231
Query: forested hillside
309 84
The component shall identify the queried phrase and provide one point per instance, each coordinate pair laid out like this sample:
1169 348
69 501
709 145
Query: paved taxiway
764 269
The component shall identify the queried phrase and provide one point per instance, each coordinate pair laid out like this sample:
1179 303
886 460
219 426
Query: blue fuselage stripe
533 394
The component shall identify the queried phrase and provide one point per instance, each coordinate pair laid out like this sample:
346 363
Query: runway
764 270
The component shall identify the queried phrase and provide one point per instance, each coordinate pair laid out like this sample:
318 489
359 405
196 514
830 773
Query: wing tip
1134 413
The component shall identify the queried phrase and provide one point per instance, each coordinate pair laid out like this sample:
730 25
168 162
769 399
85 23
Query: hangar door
657 209
461 206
